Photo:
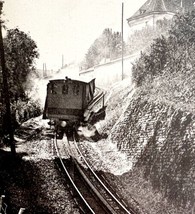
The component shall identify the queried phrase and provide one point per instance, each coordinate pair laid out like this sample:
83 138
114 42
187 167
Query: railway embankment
159 140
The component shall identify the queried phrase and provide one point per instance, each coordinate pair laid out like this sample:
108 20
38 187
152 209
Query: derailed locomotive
71 103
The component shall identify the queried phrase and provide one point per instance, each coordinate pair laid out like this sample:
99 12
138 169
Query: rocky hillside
157 133
159 140
157 129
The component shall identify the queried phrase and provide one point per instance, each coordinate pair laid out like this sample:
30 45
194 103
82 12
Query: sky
66 27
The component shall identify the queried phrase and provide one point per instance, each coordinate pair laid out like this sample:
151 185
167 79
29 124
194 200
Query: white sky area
66 27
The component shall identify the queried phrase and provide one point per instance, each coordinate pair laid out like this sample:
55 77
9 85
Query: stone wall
109 73
160 140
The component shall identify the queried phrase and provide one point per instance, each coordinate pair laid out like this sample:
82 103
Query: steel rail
106 204
69 177
108 191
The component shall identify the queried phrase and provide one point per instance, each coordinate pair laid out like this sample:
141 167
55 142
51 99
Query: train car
70 102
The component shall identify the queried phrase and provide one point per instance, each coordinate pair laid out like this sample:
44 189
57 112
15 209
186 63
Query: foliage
25 110
107 46
146 69
20 53
174 54
141 39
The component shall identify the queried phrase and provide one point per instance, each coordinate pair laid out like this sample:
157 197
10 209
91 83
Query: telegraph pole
45 69
7 120
62 61
122 40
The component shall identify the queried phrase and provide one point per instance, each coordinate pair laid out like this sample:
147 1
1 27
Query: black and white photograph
97 107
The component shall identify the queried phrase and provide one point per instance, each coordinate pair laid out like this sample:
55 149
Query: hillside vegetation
141 39
156 130
107 45
20 54
166 69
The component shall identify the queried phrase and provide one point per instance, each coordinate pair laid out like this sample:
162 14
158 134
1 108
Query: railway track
95 195
85 198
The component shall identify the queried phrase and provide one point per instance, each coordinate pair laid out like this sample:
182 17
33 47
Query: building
154 10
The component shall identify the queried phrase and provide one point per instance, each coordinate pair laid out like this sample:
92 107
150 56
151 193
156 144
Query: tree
174 54
142 39
107 46
20 53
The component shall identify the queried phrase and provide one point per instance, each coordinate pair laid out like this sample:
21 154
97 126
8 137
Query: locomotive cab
69 102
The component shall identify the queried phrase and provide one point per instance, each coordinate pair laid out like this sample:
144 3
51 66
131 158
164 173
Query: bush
174 54
141 39
25 110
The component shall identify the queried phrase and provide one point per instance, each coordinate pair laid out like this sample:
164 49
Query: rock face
160 140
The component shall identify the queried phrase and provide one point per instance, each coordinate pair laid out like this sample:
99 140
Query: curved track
86 200
67 172
113 202
103 199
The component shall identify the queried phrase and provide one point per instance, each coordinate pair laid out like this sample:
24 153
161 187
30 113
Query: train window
54 89
65 89
76 89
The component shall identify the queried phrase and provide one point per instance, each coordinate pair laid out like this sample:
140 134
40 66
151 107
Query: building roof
163 6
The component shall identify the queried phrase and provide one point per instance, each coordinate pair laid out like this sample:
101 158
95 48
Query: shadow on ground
20 182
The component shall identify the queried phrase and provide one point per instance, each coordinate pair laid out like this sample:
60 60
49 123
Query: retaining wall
111 72
161 140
